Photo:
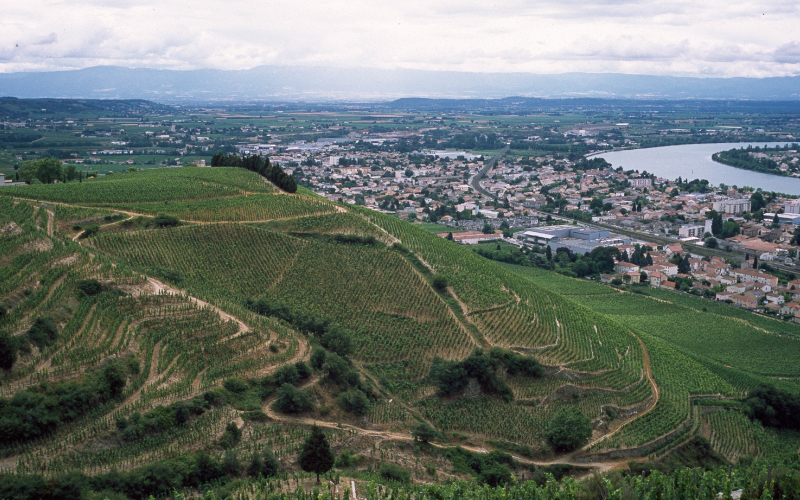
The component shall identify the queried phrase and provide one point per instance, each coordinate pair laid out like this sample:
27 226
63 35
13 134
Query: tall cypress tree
316 455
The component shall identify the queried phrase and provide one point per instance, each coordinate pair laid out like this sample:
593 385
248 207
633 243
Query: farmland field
205 315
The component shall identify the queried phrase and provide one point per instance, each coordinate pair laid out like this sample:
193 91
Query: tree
49 170
712 243
71 172
716 225
548 253
424 432
569 429
409 172
292 400
8 351
487 228
796 236
684 267
316 455
354 401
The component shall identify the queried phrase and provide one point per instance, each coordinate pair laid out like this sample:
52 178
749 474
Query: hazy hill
274 83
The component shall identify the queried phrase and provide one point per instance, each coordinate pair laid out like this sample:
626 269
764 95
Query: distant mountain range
325 84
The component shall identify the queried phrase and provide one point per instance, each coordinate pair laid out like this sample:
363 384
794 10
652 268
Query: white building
695 230
640 182
732 206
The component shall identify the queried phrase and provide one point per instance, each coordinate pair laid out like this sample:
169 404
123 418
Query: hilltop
149 311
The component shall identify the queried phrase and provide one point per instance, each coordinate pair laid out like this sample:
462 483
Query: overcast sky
681 38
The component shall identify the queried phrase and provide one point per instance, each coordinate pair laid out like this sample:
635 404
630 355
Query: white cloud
713 38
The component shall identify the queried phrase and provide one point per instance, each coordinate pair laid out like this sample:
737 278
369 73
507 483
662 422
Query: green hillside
166 331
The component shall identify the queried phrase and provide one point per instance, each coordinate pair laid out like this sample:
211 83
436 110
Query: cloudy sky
682 38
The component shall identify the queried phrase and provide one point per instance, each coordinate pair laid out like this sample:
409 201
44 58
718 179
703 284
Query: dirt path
656 393
160 287
50 219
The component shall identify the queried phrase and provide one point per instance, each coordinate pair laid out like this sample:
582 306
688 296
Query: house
656 278
743 301
790 308
756 276
673 249
669 285
607 278
723 296
774 298
631 277
625 267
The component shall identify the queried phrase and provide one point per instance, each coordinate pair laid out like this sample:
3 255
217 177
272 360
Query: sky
709 38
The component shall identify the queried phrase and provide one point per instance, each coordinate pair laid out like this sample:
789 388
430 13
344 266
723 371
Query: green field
178 303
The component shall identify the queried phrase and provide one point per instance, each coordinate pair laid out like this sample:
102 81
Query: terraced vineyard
174 307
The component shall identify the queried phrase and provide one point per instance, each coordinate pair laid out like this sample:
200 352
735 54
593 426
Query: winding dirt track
156 287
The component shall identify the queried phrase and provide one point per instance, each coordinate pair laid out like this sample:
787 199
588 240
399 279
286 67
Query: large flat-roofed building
640 182
732 205
792 207
576 238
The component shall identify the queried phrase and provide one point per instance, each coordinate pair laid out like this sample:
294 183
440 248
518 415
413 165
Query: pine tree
316 455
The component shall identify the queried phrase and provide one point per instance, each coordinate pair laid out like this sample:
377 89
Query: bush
569 429
303 370
354 401
231 436
8 351
394 472
43 332
162 220
439 282
424 432
89 287
287 374
318 357
236 385
90 231
292 400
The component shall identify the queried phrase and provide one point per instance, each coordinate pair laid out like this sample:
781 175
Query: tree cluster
36 412
453 376
773 407
569 429
42 334
254 163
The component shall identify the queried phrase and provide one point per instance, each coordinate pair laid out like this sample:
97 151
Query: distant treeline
273 173
741 158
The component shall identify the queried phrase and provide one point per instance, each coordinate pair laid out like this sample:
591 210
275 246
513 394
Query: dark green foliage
89 288
8 351
318 357
569 429
394 472
230 464
315 455
90 231
347 459
161 418
491 468
439 282
337 340
332 336
453 376
231 436
255 416
336 367
292 400
303 370
517 364
162 220
264 464
287 374
274 173
3 310
236 385
33 413
354 239
43 332
773 407
354 401
424 433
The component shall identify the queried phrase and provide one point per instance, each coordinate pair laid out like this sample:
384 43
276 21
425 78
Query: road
475 180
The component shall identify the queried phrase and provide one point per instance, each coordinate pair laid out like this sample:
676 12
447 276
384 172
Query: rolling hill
183 300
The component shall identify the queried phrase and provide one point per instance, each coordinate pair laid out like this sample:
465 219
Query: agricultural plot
735 436
247 208
157 185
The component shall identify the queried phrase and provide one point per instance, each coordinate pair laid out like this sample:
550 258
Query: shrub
394 472
292 400
43 332
162 220
569 429
89 287
236 385
354 401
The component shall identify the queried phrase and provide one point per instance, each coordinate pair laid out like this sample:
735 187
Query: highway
475 180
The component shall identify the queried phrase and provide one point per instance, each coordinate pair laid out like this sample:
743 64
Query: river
693 161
